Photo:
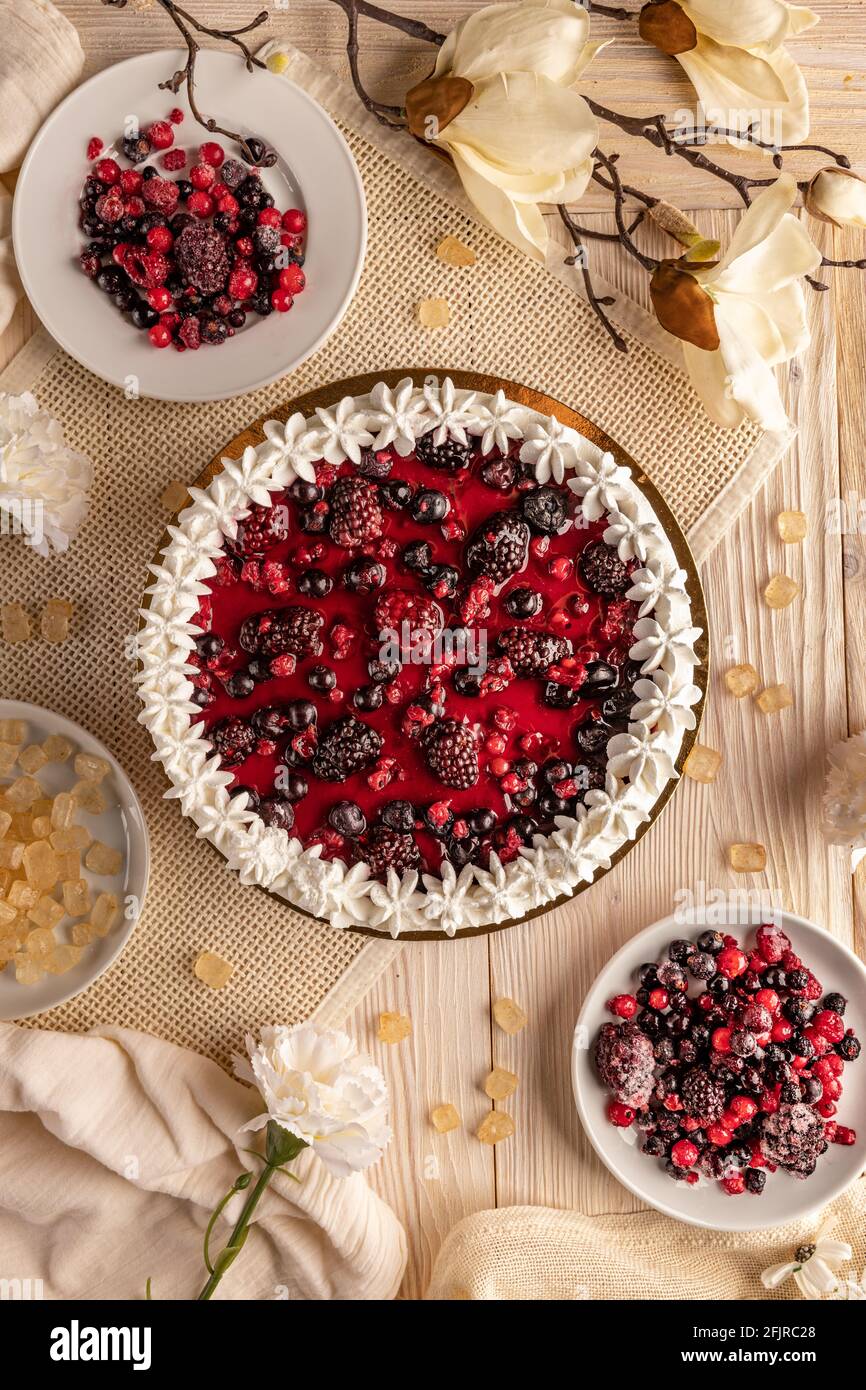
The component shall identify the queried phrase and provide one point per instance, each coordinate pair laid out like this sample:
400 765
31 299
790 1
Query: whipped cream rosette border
641 762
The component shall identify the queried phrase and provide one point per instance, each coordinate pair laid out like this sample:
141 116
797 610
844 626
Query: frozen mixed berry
449 454
499 547
602 570
452 753
346 747
625 1062
356 515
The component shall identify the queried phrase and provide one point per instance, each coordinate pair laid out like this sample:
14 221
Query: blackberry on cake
347 746
499 547
452 753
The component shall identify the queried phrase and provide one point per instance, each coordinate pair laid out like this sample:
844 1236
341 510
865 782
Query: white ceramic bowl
784 1198
315 170
122 826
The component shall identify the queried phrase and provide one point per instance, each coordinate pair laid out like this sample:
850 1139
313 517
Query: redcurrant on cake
186 243
421 662
728 1061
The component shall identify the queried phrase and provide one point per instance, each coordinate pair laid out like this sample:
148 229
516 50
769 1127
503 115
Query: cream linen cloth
538 1253
114 1149
40 61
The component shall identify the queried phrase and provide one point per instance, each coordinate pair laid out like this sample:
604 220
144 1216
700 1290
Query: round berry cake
421 662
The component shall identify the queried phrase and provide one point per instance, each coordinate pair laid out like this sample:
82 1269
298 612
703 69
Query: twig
253 150
609 163
598 303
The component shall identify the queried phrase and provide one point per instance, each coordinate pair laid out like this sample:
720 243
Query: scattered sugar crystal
212 970
100 859
434 313
175 497
82 933
42 807
501 1083
5 822
792 527
57 748
393 1028
32 758
90 798
40 865
444 1118
781 591
15 623
509 1015
22 895
774 698
40 827
40 942
455 252
55 620
68 865
62 959
748 859
74 837
702 764
496 1125
8 913
21 794
76 897
742 680
8 950
8 757
11 854
104 913
28 971
48 913
13 731
63 810
90 768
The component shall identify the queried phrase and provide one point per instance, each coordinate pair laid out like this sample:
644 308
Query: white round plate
315 170
122 826
784 1198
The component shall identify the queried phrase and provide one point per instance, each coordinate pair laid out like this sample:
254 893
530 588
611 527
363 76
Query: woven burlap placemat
510 317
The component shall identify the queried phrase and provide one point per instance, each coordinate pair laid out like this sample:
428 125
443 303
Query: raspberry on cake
416 662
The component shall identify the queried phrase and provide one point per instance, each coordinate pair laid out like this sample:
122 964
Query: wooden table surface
769 788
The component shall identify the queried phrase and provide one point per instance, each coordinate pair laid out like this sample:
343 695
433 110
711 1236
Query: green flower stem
281 1148
239 1234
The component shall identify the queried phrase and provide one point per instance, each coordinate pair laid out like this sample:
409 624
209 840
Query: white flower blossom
814 1268
43 483
316 1085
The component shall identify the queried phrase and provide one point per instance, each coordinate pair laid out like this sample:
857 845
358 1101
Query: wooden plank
433 1180
850 304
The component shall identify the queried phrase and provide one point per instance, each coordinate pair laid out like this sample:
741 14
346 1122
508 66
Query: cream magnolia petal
525 123
755 325
750 381
840 197
541 38
534 188
737 87
709 377
748 23
522 225
758 222
780 259
576 182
